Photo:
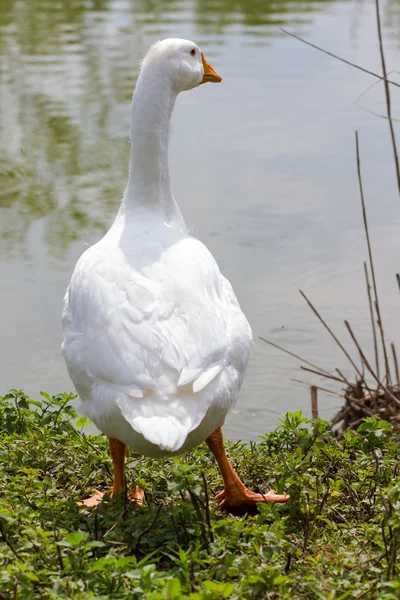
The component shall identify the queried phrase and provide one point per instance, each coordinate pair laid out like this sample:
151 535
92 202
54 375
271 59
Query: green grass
337 538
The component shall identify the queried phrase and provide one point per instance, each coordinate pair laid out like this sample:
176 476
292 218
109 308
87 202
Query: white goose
154 338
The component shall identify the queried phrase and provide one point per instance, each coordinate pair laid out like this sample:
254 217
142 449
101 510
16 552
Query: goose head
182 62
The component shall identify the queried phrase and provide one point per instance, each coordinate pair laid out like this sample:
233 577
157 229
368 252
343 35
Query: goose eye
193 52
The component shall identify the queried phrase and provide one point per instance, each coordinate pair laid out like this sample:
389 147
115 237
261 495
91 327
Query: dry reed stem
292 354
371 262
314 401
349 384
385 389
396 364
359 408
321 374
387 95
379 321
308 384
333 335
347 62
371 310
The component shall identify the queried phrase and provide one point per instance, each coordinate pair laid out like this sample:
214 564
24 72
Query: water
263 167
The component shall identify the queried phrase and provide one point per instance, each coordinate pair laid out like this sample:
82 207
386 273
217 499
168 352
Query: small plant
338 537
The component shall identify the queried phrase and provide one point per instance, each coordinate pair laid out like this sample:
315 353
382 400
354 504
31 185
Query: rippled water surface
263 167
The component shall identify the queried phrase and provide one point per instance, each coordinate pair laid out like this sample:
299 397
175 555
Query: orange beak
210 74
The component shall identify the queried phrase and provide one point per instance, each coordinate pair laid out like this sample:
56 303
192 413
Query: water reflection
67 72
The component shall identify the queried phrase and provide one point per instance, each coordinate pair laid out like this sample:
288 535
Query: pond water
279 207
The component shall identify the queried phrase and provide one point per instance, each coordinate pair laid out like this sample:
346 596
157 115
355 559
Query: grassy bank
339 536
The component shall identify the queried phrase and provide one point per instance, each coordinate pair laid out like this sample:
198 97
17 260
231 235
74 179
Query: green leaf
5 516
23 403
82 422
173 588
280 579
35 403
31 576
75 538
227 590
94 544
213 586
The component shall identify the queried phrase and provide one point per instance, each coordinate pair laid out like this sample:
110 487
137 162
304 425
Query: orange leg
117 451
235 497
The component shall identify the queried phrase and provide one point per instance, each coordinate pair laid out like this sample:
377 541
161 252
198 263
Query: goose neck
149 182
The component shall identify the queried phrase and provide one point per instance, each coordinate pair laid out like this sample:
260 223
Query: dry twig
385 389
371 311
333 335
371 262
347 62
387 95
293 354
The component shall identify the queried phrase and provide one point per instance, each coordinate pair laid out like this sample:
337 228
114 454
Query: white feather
206 376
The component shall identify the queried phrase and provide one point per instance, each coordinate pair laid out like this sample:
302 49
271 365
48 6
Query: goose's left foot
235 497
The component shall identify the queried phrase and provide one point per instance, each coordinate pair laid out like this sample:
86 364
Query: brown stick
371 262
396 364
314 401
349 384
326 390
332 334
344 411
385 356
293 354
321 374
387 95
385 389
371 311
347 62
359 407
